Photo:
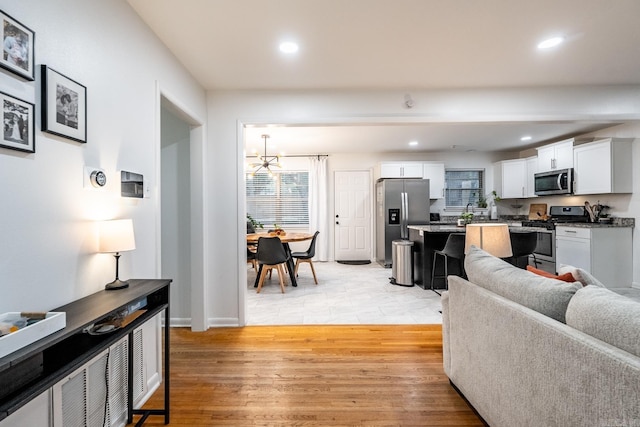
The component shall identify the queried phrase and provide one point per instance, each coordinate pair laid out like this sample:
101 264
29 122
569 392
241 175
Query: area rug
355 262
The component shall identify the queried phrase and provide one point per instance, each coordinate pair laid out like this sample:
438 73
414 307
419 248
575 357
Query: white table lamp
116 236
491 238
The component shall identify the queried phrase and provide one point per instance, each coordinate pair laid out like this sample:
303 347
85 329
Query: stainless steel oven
545 254
545 251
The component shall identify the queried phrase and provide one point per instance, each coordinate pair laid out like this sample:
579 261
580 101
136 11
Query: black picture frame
64 105
18 47
18 124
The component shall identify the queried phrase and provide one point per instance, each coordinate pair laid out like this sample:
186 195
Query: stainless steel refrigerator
399 203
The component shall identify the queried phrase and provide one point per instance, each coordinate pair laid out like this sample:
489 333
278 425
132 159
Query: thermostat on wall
98 178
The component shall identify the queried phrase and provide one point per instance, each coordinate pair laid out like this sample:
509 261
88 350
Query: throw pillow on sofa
544 295
566 277
605 315
580 275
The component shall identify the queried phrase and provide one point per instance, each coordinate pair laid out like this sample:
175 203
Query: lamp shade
491 238
116 236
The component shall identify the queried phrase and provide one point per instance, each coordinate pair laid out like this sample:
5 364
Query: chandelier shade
265 162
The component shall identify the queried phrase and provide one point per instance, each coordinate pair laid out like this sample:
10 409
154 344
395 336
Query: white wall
227 111
176 214
47 241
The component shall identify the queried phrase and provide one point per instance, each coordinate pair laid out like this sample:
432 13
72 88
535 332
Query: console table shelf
70 348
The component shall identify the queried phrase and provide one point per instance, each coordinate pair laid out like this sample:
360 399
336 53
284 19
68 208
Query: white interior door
352 219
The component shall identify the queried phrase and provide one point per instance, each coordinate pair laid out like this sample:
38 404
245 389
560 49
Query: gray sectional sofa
526 350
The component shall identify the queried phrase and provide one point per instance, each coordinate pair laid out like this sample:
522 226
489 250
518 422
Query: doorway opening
182 214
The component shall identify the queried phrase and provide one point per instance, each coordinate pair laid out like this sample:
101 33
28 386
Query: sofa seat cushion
607 316
544 295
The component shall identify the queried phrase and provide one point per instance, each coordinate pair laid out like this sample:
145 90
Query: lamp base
116 284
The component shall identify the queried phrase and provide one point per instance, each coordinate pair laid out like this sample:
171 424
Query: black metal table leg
290 265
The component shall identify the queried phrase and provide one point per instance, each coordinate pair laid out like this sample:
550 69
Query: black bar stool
453 248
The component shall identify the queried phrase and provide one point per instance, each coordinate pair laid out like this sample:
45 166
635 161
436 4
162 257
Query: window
282 199
463 186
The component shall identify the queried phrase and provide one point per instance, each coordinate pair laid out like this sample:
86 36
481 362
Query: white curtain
318 205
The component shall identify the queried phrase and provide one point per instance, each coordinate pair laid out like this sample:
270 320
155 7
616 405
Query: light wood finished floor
389 375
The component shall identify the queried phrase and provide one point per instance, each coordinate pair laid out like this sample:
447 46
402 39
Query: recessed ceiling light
549 43
525 138
413 143
288 47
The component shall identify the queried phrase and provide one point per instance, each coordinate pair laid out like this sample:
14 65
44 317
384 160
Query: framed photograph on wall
18 44
64 106
18 126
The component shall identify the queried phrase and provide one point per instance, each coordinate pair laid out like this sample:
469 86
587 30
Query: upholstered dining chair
271 254
306 257
453 248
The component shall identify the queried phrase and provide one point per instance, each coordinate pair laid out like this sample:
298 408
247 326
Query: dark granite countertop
594 225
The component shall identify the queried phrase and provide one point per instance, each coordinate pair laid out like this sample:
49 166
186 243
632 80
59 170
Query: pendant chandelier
265 162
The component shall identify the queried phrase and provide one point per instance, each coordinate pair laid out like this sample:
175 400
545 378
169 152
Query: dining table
288 237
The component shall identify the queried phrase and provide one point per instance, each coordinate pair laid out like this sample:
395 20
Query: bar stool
523 244
453 248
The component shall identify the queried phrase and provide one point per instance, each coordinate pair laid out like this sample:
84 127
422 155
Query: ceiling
404 45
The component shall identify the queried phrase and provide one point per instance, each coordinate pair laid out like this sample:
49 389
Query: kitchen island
429 237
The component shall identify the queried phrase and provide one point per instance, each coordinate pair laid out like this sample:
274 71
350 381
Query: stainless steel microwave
554 182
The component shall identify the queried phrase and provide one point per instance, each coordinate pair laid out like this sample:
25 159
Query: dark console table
62 352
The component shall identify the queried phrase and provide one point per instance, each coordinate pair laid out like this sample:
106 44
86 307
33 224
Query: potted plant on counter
465 218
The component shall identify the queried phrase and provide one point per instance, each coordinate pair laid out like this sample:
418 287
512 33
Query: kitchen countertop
593 225
453 228
447 227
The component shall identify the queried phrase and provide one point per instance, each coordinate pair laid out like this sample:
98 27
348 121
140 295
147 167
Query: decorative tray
13 341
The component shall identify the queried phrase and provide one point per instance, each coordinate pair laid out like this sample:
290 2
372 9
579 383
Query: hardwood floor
387 375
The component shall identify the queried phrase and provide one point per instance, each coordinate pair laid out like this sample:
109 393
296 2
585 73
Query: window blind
281 199
463 187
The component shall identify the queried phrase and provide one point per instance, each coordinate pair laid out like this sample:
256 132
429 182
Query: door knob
337 223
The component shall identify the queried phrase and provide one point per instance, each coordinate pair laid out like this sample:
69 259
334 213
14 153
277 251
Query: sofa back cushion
544 295
607 316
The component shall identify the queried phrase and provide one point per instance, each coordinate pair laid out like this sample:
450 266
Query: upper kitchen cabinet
399 170
510 178
603 166
532 168
558 155
434 172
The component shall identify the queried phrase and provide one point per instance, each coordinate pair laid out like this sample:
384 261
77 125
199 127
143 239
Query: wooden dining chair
306 257
251 258
271 254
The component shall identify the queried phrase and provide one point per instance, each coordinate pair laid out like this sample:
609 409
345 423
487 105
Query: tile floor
345 295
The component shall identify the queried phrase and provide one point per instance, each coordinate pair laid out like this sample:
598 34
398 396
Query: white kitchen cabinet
532 168
605 252
434 172
399 170
510 178
603 167
558 155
